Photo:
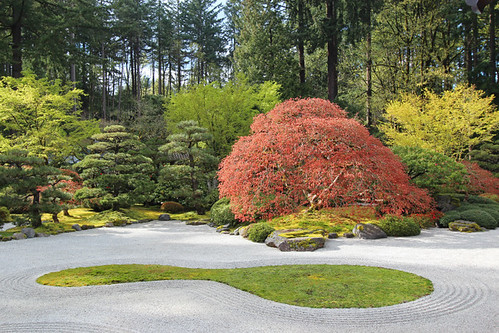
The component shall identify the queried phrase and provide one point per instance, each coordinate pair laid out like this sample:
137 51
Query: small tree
306 152
189 178
22 179
115 174
480 180
451 124
431 170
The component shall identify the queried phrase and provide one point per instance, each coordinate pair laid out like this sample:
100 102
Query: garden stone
195 222
29 232
41 234
236 232
464 226
109 224
332 235
306 240
144 221
76 227
368 231
348 235
164 217
19 236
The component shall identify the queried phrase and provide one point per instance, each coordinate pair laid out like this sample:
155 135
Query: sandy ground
463 267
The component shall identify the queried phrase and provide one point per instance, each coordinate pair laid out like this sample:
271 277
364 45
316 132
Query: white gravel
463 267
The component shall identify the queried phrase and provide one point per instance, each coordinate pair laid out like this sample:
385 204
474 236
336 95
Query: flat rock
195 222
368 231
76 227
109 224
29 232
464 226
164 217
19 236
297 239
348 235
42 234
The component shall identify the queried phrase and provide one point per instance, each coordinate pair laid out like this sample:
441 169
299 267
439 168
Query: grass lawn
316 286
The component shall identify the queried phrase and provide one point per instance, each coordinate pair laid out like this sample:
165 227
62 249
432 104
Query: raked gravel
464 269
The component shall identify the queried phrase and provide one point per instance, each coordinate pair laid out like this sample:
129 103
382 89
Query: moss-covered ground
339 220
317 286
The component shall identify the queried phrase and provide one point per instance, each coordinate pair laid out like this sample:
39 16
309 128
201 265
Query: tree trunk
301 46
36 217
55 218
492 43
16 32
65 212
332 51
369 83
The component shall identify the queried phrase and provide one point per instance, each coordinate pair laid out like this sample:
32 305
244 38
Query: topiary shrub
259 232
480 217
475 199
399 226
4 215
172 207
451 216
221 213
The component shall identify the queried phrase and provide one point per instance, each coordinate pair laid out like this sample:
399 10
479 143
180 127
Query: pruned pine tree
190 175
115 174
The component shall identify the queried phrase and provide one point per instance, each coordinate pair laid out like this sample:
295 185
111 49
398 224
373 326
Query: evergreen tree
189 178
115 173
22 179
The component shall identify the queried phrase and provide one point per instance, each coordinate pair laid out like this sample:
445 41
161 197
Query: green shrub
4 215
399 226
475 199
259 232
451 216
480 217
172 207
221 213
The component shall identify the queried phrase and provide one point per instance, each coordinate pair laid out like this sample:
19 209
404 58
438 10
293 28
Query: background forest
158 91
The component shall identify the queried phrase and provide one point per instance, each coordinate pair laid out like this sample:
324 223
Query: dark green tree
190 176
115 173
22 179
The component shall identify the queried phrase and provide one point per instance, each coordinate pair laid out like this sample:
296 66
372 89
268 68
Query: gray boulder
42 234
348 235
368 231
19 236
29 232
109 224
195 222
76 227
296 239
164 217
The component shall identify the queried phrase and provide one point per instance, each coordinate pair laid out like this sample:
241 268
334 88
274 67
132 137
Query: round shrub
475 199
259 232
172 207
4 215
399 226
480 217
451 216
221 213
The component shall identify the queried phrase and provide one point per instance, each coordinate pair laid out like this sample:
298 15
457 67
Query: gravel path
463 267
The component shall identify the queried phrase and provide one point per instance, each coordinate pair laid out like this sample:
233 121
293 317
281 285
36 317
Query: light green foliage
226 112
431 170
189 178
487 156
116 173
259 232
21 182
4 215
399 226
38 115
451 124
221 213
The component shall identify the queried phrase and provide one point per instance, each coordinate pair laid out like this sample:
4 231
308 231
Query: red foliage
306 152
480 180
70 182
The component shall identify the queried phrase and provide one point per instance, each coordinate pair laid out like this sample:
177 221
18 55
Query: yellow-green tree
452 123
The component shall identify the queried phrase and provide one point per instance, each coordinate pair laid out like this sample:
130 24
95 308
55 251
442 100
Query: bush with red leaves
481 180
306 152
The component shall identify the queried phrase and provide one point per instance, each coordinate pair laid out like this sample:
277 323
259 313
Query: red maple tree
481 180
306 152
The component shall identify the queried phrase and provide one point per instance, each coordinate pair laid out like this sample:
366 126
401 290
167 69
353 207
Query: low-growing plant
399 226
428 220
259 232
480 217
4 215
491 196
449 217
475 199
172 207
221 213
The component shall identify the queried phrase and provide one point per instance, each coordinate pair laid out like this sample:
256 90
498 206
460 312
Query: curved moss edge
316 286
